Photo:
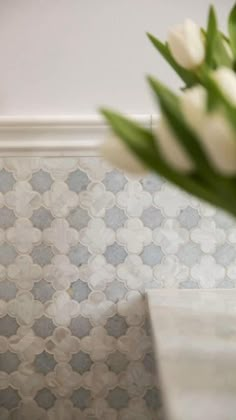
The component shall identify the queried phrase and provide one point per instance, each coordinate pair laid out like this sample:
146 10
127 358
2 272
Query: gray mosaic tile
43 327
189 253
7 218
226 284
153 399
42 291
80 326
81 398
115 218
149 362
45 399
78 181
44 363
152 255
115 254
118 398
9 362
114 181
7 181
189 284
80 290
7 254
41 218
41 181
8 326
117 362
78 218
116 291
152 217
225 254
8 290
79 255
42 254
116 326
81 362
9 398
152 183
224 220
189 217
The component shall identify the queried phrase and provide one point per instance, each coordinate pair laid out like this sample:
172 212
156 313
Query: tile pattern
79 243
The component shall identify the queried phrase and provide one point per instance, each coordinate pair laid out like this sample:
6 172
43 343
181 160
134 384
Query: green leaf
232 29
189 78
216 50
211 35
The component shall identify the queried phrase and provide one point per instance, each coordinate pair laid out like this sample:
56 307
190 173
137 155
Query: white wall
69 56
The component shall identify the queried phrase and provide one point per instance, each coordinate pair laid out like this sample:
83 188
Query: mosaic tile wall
79 243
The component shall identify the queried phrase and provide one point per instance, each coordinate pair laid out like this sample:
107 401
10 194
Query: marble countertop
194 333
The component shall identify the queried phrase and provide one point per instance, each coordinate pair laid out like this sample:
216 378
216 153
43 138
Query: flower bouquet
194 142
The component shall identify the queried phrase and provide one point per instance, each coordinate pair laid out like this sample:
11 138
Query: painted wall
70 56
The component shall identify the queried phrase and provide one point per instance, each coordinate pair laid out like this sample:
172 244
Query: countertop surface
194 333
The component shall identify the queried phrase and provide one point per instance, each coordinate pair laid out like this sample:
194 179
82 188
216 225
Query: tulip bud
119 155
193 103
170 148
219 141
226 80
186 44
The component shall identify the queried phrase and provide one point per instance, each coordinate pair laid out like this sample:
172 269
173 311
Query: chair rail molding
66 135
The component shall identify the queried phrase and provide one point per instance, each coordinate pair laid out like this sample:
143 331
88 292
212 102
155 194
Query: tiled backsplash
79 243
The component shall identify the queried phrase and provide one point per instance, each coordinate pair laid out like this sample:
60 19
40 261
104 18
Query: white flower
134 236
226 79
132 308
186 44
212 128
135 343
23 200
96 236
171 200
97 273
134 273
62 344
60 200
96 199
60 235
61 273
118 153
98 344
62 308
23 235
133 199
97 308
24 272
170 236
171 149
207 272
170 273
25 309
62 381
207 235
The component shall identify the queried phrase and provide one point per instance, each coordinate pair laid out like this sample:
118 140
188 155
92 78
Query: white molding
55 135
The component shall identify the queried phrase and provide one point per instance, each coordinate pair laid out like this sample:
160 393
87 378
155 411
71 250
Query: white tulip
186 44
119 155
170 148
219 141
193 103
226 80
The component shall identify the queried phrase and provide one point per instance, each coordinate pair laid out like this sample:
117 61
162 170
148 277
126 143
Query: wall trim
56 135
